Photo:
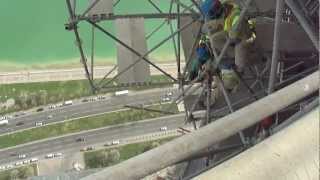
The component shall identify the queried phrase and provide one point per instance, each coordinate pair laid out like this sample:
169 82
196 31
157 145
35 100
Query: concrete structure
295 41
293 154
188 36
131 32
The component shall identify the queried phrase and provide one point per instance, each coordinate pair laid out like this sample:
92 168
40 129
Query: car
108 144
57 154
90 148
101 97
50 116
2 168
20 123
164 128
169 94
4 118
39 123
39 109
22 156
18 163
80 139
115 142
26 161
165 99
84 100
9 166
59 105
52 106
34 160
49 156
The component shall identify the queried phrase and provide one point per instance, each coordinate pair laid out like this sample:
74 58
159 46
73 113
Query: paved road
81 109
68 143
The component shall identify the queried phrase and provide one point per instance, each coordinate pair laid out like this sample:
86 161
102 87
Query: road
81 109
68 143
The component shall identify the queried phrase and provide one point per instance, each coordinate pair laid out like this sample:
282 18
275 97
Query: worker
223 18
203 54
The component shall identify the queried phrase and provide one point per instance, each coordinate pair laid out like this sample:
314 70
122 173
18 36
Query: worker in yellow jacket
222 19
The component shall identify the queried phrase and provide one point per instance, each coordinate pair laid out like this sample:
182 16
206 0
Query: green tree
25 172
14 174
113 156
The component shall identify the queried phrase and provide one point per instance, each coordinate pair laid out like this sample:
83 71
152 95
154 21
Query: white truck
4 122
68 103
124 92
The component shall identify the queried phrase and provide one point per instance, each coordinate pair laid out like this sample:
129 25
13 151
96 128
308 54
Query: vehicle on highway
80 139
19 114
58 154
18 163
49 156
22 156
108 144
39 109
9 166
4 118
85 100
52 106
59 105
50 116
120 93
20 123
39 123
102 97
89 148
164 128
26 161
68 103
34 160
115 142
4 122
166 99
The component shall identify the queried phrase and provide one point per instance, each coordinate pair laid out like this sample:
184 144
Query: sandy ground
69 74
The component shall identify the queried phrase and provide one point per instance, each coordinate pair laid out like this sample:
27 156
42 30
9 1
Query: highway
68 143
81 109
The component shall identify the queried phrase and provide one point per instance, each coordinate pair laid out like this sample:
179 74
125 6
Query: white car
26 161
115 142
108 144
164 128
57 154
165 99
2 168
169 94
18 163
39 124
34 160
9 166
50 116
22 156
48 156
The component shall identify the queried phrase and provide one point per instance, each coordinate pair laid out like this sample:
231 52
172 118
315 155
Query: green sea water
32 32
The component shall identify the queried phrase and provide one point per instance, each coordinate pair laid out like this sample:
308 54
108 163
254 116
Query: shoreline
65 74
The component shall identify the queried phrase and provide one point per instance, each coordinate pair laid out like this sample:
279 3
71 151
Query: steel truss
258 81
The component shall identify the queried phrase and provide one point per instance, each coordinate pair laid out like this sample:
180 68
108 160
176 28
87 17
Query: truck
119 93
4 122
67 103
